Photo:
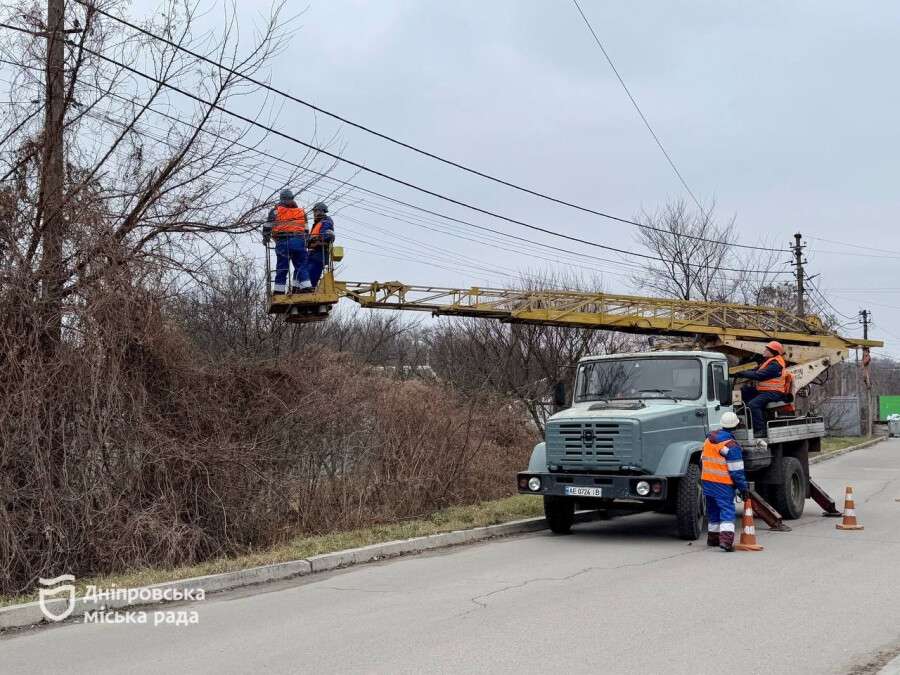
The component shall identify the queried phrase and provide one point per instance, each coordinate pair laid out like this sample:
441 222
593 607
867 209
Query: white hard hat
730 420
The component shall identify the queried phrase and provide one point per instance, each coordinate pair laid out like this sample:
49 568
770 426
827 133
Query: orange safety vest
780 383
289 220
714 466
317 227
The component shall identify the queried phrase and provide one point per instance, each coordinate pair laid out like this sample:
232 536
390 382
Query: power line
458 258
827 302
393 200
845 243
637 107
380 174
876 304
856 255
420 151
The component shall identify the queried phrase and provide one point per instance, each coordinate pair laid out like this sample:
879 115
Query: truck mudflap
640 488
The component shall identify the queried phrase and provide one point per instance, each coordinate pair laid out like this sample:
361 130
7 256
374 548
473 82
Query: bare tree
519 360
696 257
156 182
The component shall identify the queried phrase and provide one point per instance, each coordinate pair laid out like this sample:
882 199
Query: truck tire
560 513
789 496
690 509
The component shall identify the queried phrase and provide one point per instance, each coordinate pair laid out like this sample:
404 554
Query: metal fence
842 416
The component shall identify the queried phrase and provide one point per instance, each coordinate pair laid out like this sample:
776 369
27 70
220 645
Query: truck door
715 381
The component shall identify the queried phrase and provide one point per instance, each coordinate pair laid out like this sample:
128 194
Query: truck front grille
590 445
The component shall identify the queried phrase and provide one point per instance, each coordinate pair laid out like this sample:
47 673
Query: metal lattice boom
626 313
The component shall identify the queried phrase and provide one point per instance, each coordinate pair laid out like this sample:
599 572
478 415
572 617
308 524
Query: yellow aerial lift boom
736 330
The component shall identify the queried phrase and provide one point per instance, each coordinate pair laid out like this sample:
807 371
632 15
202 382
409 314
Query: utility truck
633 434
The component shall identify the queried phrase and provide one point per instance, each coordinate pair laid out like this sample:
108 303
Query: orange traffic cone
849 521
748 530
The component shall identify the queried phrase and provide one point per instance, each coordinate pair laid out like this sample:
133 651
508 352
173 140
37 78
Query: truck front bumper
582 486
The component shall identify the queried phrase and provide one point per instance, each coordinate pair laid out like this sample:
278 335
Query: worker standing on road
772 385
320 240
722 473
287 224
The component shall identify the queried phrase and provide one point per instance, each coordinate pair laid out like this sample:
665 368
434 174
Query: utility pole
798 263
865 318
53 170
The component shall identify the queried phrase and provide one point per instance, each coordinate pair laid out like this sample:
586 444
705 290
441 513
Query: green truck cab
632 437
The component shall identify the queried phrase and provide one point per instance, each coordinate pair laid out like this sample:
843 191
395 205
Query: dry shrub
126 447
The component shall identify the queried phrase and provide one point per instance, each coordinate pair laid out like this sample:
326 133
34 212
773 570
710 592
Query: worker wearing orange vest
320 239
287 224
773 384
721 473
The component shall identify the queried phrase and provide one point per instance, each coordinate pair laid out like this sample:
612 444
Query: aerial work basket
305 307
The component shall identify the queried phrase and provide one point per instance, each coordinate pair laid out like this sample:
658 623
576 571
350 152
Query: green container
888 405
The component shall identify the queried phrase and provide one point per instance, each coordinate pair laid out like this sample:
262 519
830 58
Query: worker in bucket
287 224
320 239
771 385
722 473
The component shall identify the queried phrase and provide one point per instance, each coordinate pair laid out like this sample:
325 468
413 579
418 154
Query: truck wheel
789 496
691 506
560 513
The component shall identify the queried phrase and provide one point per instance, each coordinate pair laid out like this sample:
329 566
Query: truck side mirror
726 396
560 399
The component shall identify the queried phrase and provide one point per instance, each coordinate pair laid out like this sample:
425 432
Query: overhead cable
425 153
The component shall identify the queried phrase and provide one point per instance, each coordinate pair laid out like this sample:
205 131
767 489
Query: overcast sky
784 113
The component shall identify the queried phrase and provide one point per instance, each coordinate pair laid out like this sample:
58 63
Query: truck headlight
642 488
534 483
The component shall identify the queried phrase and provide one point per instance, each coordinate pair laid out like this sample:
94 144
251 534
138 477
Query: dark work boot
726 541
712 538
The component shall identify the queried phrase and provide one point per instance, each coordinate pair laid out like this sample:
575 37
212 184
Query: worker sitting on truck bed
320 238
772 385
722 472
287 223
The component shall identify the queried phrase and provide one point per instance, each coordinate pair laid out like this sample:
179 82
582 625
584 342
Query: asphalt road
619 596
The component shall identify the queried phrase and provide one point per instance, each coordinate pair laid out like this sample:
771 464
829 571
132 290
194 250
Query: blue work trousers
318 258
757 401
290 250
719 506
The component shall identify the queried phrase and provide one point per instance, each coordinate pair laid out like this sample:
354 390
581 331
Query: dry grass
298 548
127 448
833 443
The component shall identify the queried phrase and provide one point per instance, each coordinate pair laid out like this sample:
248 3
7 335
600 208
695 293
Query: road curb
30 614
844 451
891 668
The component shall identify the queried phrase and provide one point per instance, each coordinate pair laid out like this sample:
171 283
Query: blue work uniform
321 238
722 473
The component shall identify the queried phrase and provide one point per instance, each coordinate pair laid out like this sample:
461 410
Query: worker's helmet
286 195
730 420
776 347
320 207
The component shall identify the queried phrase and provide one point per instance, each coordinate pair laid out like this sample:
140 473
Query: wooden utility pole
53 174
866 319
798 263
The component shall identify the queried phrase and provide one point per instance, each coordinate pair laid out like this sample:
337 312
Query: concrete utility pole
53 169
798 263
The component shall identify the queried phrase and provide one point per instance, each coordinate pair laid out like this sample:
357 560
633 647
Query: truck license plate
575 491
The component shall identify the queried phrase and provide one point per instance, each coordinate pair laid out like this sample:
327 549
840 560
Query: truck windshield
678 378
